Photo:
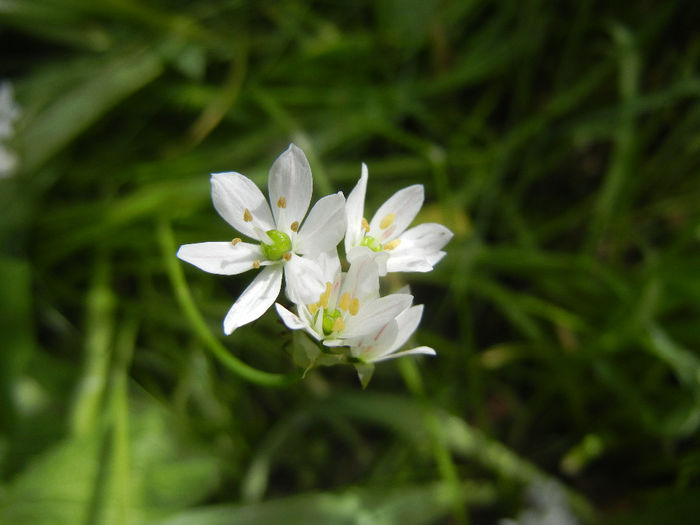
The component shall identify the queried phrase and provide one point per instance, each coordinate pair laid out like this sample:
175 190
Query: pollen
354 306
256 264
247 217
323 300
387 221
392 244
281 202
236 241
344 303
287 256
365 224
338 325
295 226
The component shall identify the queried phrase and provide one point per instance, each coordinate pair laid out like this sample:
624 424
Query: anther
235 241
323 300
387 221
354 306
338 325
295 226
365 224
287 256
344 303
247 217
256 264
392 244
313 308
281 202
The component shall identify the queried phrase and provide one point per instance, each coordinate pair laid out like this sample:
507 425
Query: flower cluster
342 311
9 113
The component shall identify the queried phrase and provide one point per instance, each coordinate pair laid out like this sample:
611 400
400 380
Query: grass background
560 141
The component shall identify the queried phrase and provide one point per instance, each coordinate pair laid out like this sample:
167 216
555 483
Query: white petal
408 262
404 205
376 343
426 350
222 258
406 322
362 279
303 276
404 289
329 262
354 210
324 227
302 321
435 258
290 180
374 314
290 320
380 258
429 237
233 194
256 299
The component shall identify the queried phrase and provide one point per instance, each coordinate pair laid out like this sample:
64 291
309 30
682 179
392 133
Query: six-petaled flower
286 243
415 250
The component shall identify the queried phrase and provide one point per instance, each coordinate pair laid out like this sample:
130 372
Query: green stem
199 326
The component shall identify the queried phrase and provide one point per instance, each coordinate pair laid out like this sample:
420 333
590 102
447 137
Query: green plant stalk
196 321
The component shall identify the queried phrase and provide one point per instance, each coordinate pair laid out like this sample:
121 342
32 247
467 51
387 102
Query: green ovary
280 245
371 243
329 319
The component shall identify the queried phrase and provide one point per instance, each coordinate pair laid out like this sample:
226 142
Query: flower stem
199 326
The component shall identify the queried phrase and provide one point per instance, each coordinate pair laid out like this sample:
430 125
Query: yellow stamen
387 221
256 264
295 226
365 224
392 244
247 217
281 202
287 256
354 306
323 300
338 325
235 241
313 308
344 303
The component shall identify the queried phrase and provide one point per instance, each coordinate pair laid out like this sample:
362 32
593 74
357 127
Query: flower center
376 246
280 245
371 243
332 321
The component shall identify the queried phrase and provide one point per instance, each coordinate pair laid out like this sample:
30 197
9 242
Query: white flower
285 245
350 313
349 307
383 343
9 113
414 250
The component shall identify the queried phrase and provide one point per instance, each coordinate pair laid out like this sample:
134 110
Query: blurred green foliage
559 140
